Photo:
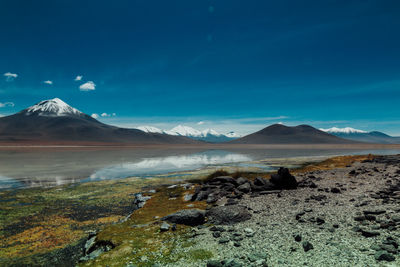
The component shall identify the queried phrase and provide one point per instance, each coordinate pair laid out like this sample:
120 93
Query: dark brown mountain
53 121
281 134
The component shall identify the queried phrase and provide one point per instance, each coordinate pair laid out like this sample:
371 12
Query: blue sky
234 65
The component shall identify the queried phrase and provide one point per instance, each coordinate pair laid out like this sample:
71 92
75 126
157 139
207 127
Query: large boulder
283 179
224 180
191 217
261 184
228 214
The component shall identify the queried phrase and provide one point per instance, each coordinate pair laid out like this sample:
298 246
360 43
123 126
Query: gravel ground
330 223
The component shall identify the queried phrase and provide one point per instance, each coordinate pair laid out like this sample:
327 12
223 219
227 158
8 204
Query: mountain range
54 121
208 135
363 136
281 134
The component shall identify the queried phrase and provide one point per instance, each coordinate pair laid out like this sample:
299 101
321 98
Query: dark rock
217 228
298 215
213 197
228 214
260 181
214 263
173 227
374 212
307 246
270 192
318 197
217 234
223 240
201 195
241 180
297 238
232 263
237 244
370 217
228 187
231 202
283 179
368 233
266 185
190 217
335 190
359 218
320 221
383 255
225 179
245 188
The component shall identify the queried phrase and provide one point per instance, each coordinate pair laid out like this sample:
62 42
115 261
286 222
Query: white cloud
88 86
78 78
10 76
48 82
200 123
6 104
104 115
108 115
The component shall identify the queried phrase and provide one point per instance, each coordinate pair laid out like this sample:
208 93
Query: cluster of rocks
224 190
226 186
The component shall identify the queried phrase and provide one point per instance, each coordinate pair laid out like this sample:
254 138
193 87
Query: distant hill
363 136
55 121
281 134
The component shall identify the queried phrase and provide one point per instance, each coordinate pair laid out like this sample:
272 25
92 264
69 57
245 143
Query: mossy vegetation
139 240
37 221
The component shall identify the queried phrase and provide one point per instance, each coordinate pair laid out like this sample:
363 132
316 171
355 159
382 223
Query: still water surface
49 167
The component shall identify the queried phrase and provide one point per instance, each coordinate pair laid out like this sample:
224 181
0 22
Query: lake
21 168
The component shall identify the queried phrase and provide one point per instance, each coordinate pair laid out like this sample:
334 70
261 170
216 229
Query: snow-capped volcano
52 107
207 135
55 122
346 130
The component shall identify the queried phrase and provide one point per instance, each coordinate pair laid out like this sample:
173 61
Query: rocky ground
340 217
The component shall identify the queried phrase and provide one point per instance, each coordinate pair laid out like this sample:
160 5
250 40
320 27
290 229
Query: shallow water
49 167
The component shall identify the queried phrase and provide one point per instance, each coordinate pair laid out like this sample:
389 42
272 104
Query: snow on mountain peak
182 130
150 129
185 131
52 107
207 132
346 130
